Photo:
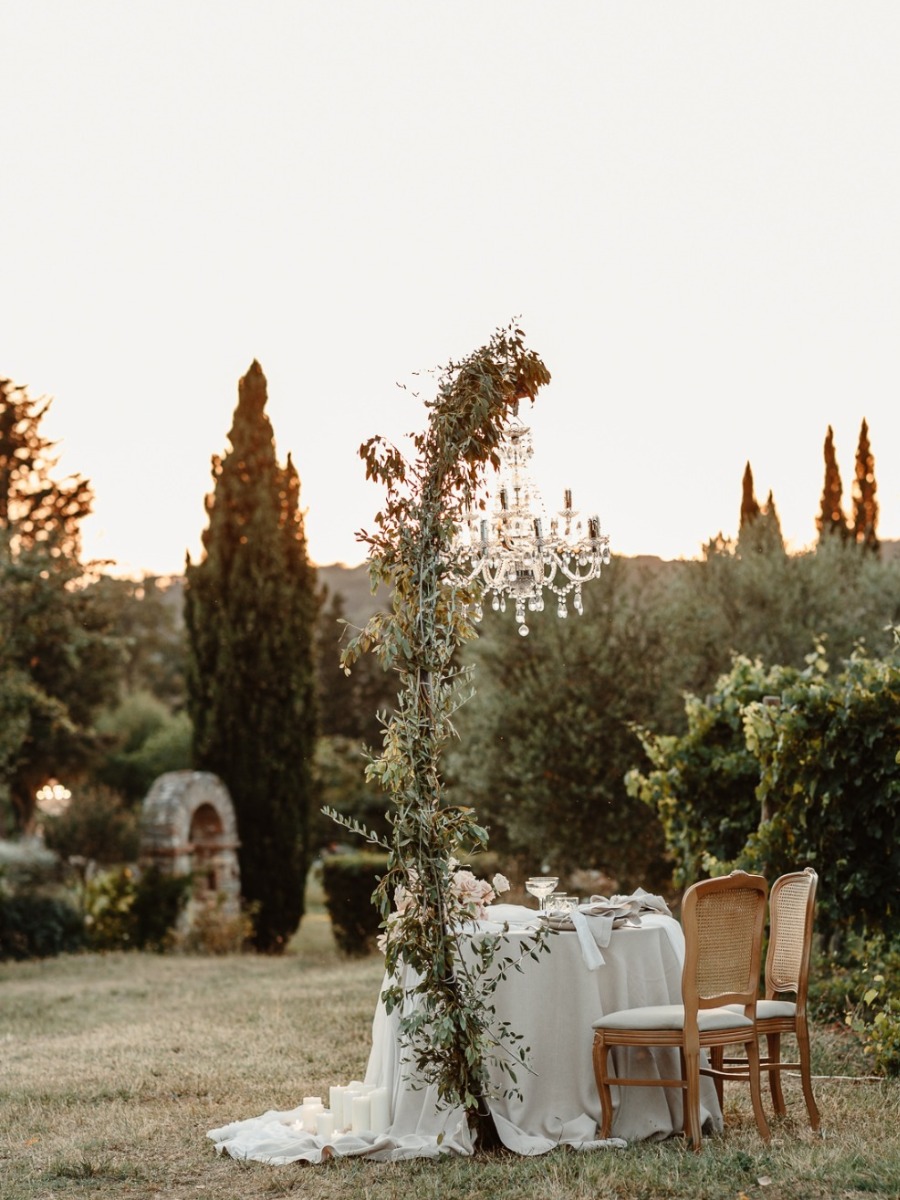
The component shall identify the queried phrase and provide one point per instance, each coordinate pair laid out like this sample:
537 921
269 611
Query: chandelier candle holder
508 546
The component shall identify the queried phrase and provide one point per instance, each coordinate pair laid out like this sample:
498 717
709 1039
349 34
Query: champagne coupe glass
541 886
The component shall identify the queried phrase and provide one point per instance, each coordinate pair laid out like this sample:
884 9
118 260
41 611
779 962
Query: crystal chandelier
508 547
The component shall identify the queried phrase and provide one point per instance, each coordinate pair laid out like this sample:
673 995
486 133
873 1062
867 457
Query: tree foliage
546 740
750 509
449 1029
831 519
760 527
350 706
36 509
141 739
59 655
865 506
147 614
250 611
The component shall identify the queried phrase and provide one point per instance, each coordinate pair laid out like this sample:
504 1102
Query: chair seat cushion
771 1008
671 1016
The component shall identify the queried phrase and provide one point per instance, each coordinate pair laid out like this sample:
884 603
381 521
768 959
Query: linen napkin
595 920
594 931
627 908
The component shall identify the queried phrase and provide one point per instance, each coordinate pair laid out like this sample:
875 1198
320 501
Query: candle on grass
380 1114
336 1105
325 1124
361 1114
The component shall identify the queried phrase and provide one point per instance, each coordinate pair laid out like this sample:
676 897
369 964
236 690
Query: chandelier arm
592 571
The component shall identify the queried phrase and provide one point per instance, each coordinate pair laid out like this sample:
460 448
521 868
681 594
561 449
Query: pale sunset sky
693 208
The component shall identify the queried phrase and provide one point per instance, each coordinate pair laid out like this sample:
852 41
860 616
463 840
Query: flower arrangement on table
469 899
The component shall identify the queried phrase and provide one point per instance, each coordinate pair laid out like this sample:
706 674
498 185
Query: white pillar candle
342 1113
336 1105
353 1088
346 1114
325 1124
379 1110
312 1100
310 1108
361 1110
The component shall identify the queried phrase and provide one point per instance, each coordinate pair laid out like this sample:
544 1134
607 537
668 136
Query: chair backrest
792 904
723 921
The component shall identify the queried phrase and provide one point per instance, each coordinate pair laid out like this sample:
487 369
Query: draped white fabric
552 1003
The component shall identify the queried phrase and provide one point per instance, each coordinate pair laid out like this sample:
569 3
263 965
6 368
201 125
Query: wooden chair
723 923
792 903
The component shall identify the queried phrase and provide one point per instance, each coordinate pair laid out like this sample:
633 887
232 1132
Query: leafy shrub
813 779
27 864
348 881
96 826
703 783
830 775
127 910
213 930
38 927
861 988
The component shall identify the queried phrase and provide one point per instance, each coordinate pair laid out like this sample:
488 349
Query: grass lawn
115 1066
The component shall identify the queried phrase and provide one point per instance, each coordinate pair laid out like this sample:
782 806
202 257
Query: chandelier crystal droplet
509 547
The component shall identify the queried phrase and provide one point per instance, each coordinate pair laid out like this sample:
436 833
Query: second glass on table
561 904
541 886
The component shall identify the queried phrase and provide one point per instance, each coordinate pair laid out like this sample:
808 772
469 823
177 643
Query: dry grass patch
115 1066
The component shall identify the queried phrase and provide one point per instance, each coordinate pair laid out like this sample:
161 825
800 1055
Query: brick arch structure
188 827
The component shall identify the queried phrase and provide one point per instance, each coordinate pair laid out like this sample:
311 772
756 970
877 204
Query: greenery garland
447 1019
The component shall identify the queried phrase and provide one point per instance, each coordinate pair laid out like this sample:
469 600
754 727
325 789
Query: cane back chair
723 922
792 903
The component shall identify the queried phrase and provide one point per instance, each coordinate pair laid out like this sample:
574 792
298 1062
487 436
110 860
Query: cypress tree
865 506
760 528
831 515
749 505
250 612
770 536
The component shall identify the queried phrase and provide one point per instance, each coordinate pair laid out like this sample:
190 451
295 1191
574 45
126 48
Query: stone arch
188 827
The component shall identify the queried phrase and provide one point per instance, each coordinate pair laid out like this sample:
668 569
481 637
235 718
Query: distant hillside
360 604
353 584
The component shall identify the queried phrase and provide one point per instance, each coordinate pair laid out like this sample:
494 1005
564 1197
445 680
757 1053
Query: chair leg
773 1050
692 1097
601 1074
806 1075
717 1061
685 1123
755 1091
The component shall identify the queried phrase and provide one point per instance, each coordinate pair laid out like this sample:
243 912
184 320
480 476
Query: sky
690 206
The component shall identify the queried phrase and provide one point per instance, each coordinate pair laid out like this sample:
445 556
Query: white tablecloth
552 1003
